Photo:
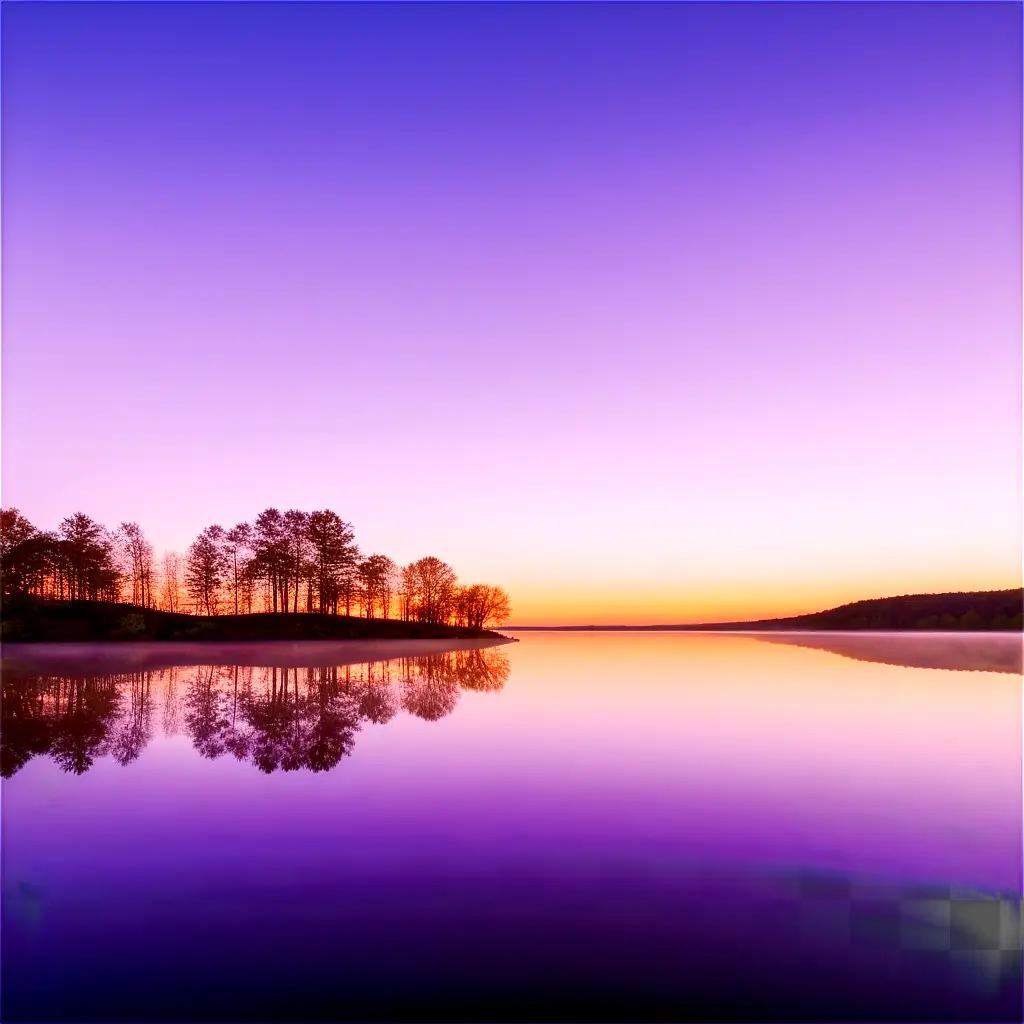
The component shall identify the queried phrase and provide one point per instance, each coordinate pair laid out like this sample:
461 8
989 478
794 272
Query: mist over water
573 827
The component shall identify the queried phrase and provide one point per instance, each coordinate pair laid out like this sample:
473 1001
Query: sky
648 313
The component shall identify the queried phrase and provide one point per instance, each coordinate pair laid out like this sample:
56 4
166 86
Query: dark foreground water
584 827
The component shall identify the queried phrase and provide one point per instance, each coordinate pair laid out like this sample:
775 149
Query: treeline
281 562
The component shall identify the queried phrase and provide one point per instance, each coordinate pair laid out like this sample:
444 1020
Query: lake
575 827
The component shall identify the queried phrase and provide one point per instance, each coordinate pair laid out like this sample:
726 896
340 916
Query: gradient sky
647 312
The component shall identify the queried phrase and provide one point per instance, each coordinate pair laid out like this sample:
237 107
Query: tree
433 589
25 553
499 608
28 567
376 579
205 567
15 529
237 542
406 592
172 581
85 560
480 605
297 548
349 585
137 559
333 556
269 544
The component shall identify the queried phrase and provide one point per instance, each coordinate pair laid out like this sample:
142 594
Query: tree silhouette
283 562
270 555
479 605
237 543
205 567
137 556
30 565
85 560
432 584
172 581
333 556
298 549
376 577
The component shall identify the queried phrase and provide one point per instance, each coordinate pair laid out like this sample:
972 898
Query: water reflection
277 718
653 827
971 652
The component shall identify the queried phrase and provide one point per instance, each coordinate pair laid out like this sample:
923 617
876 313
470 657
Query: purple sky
644 312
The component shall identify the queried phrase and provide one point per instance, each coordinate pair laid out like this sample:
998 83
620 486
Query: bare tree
297 546
407 592
172 581
237 543
137 559
479 605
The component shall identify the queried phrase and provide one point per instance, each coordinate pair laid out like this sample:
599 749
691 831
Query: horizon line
741 623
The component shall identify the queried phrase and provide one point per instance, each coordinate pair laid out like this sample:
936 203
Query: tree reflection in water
279 719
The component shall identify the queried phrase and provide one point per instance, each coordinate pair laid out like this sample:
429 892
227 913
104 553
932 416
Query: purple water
620 827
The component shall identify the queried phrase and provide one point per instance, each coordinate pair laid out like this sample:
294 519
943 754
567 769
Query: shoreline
103 657
55 622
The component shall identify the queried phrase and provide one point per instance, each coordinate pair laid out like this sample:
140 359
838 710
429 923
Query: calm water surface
634 827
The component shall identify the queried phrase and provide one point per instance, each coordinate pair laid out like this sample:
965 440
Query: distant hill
29 620
973 610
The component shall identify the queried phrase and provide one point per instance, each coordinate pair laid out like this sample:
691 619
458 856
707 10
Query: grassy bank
33 621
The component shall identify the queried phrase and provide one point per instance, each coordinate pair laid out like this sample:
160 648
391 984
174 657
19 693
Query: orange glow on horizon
657 604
